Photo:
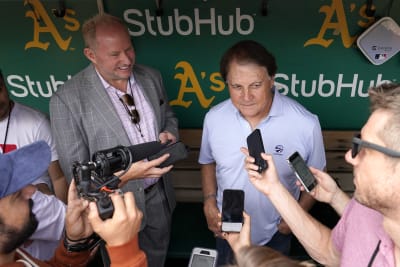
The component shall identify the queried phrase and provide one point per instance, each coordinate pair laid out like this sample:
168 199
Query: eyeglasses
358 144
128 101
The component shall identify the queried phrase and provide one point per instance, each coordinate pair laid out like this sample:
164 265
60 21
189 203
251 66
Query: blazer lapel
104 108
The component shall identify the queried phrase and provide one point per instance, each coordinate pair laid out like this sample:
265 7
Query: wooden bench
187 177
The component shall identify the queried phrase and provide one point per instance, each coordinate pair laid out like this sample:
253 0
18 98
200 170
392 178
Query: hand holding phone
203 257
302 171
232 210
256 147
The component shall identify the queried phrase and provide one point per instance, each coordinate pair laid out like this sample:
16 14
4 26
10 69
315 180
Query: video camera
95 179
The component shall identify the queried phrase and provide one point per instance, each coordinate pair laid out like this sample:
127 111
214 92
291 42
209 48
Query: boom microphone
118 158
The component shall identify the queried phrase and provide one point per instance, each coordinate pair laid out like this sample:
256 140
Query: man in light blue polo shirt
286 126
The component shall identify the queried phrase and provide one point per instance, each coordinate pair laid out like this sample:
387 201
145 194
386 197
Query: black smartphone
302 171
232 210
256 147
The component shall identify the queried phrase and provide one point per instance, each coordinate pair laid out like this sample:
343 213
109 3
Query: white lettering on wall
23 86
344 86
142 22
340 87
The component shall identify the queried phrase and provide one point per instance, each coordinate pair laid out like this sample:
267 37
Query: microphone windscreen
144 150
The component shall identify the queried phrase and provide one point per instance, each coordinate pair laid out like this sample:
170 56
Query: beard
14 237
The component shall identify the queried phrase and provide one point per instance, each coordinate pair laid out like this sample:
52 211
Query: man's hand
77 225
166 137
265 181
284 228
124 224
143 168
242 239
328 191
213 216
326 187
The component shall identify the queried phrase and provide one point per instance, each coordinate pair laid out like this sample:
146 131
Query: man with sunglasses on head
112 102
368 232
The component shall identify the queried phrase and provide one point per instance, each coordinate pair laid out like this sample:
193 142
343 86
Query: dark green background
284 31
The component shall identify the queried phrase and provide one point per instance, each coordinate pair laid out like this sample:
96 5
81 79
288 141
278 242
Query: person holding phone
249 255
285 126
368 232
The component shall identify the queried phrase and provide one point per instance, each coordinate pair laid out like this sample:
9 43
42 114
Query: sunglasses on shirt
128 101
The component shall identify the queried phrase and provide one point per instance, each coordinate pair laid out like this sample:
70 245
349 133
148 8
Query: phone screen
302 171
232 210
203 257
256 147
199 260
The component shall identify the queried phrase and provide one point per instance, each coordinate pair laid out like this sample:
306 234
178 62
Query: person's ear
272 82
89 53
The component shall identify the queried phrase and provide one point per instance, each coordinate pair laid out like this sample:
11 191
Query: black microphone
119 158
145 150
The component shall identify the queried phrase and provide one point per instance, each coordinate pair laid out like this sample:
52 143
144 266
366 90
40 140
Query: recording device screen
202 261
302 171
232 210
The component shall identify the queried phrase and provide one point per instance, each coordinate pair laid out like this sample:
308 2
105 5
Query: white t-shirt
50 213
26 126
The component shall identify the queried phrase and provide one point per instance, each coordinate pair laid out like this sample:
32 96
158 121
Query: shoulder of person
145 70
73 82
297 107
225 105
28 113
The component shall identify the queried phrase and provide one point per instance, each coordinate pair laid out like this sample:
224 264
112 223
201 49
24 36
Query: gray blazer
83 121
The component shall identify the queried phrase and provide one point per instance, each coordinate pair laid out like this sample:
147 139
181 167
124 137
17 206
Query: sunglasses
128 101
358 144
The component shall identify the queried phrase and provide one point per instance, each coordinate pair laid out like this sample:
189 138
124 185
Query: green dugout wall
314 43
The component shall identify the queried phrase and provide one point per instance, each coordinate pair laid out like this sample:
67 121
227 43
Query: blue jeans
279 242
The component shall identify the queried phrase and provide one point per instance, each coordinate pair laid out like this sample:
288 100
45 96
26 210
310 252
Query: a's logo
191 85
43 24
278 149
335 20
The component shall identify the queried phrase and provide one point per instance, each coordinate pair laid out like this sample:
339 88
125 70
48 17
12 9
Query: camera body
95 179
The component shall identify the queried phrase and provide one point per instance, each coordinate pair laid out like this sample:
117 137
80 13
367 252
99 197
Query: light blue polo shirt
288 127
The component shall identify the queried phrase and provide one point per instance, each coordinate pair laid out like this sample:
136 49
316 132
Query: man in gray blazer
114 102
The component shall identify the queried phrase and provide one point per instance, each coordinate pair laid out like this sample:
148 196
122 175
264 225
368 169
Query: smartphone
256 147
232 210
302 171
203 257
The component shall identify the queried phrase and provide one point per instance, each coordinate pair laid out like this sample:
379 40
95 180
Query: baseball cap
23 166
